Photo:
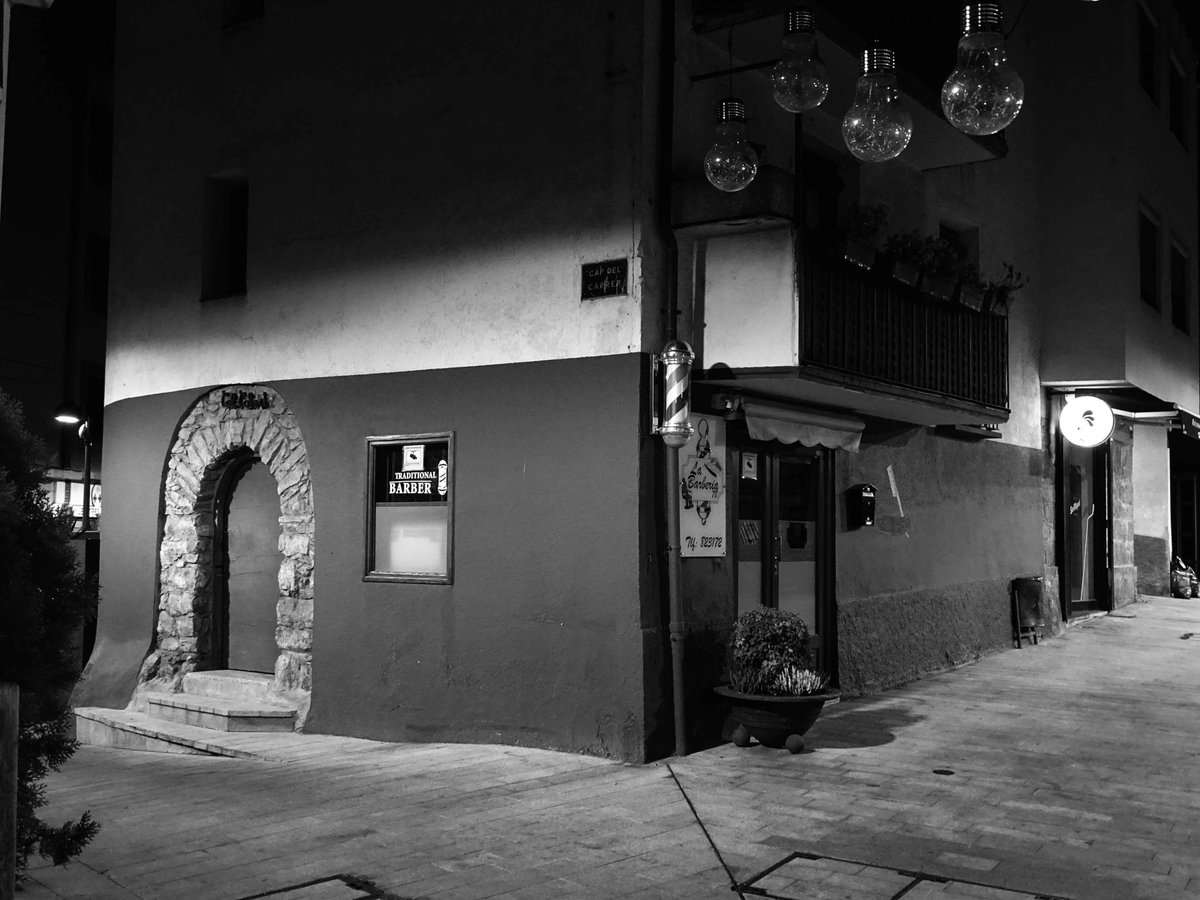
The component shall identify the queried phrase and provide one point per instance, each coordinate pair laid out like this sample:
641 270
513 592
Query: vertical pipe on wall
670 312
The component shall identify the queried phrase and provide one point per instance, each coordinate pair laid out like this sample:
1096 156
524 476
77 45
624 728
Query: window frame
1148 65
373 443
1177 101
1181 307
225 245
1145 217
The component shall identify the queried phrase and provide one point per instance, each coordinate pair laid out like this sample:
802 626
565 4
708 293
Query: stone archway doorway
225 428
245 568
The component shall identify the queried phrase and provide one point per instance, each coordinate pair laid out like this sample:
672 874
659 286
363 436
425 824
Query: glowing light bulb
877 127
731 162
800 80
983 94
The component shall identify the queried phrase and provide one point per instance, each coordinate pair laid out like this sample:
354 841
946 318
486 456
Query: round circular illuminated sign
1086 421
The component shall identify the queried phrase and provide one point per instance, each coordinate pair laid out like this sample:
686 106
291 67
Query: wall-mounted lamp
69 414
673 383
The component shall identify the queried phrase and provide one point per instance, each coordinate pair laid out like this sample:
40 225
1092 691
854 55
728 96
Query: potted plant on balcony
941 260
972 289
905 250
774 693
999 292
861 241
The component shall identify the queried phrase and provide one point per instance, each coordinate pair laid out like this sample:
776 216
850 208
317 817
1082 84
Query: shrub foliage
769 654
43 601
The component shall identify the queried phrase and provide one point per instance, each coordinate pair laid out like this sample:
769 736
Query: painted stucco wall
927 587
1152 509
751 315
541 637
417 200
1096 325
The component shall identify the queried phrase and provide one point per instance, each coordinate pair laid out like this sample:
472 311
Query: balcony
847 338
871 327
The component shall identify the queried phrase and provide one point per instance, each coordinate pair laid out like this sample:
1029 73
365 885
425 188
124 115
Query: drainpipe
670 313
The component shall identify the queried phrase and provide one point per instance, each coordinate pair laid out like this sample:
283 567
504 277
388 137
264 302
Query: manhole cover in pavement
336 887
803 876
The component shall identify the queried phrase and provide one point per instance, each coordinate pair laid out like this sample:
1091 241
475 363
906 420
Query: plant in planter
774 693
972 289
998 293
861 242
905 251
941 260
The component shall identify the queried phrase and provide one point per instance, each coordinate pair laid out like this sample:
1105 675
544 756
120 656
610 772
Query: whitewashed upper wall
1105 152
424 187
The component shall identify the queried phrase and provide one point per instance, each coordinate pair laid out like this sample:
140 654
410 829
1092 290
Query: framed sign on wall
410 508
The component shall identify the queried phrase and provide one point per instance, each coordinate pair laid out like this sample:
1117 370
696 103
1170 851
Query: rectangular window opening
1148 259
1180 308
236 12
226 230
1177 102
1148 54
95 272
410 508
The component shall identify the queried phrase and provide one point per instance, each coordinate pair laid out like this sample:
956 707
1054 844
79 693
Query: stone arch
225 425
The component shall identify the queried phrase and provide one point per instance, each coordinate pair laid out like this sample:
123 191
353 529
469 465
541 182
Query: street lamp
69 414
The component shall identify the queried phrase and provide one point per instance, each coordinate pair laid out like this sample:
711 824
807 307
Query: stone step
232 684
128 729
220 713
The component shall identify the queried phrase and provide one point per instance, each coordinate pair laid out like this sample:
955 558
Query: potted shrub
905 250
774 693
972 289
998 293
940 261
866 223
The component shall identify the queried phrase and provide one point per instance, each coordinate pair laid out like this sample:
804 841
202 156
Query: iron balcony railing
866 324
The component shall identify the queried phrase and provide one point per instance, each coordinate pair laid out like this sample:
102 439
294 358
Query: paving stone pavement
1065 770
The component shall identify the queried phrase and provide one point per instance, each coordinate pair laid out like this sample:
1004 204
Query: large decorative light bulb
983 94
800 80
731 162
877 127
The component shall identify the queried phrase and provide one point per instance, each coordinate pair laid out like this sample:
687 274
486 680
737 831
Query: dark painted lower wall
550 634
1153 558
927 587
896 638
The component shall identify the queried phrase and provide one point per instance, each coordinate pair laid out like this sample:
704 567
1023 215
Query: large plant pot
774 721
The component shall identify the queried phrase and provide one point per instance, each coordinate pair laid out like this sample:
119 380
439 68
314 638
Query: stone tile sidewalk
1066 770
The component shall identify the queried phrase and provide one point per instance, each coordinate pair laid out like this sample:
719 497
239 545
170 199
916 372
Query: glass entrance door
1087 529
780 537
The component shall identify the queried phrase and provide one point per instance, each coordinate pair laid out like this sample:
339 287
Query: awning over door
796 425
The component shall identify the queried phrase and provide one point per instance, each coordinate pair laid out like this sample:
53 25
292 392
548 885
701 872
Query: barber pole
676 359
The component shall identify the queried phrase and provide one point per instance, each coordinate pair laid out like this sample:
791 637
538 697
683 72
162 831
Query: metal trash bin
1027 619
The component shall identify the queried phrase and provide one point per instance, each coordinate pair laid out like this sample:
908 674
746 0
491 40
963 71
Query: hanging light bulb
731 162
800 80
983 94
877 127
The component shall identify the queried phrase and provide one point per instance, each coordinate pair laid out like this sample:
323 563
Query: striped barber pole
676 428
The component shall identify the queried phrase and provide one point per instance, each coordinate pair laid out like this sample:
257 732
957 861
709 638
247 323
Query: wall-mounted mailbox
860 506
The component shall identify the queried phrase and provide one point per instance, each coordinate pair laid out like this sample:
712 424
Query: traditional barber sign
407 473
702 489
1086 421
410 516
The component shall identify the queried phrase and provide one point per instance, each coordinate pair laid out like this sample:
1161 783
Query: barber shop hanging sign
702 489
1086 421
